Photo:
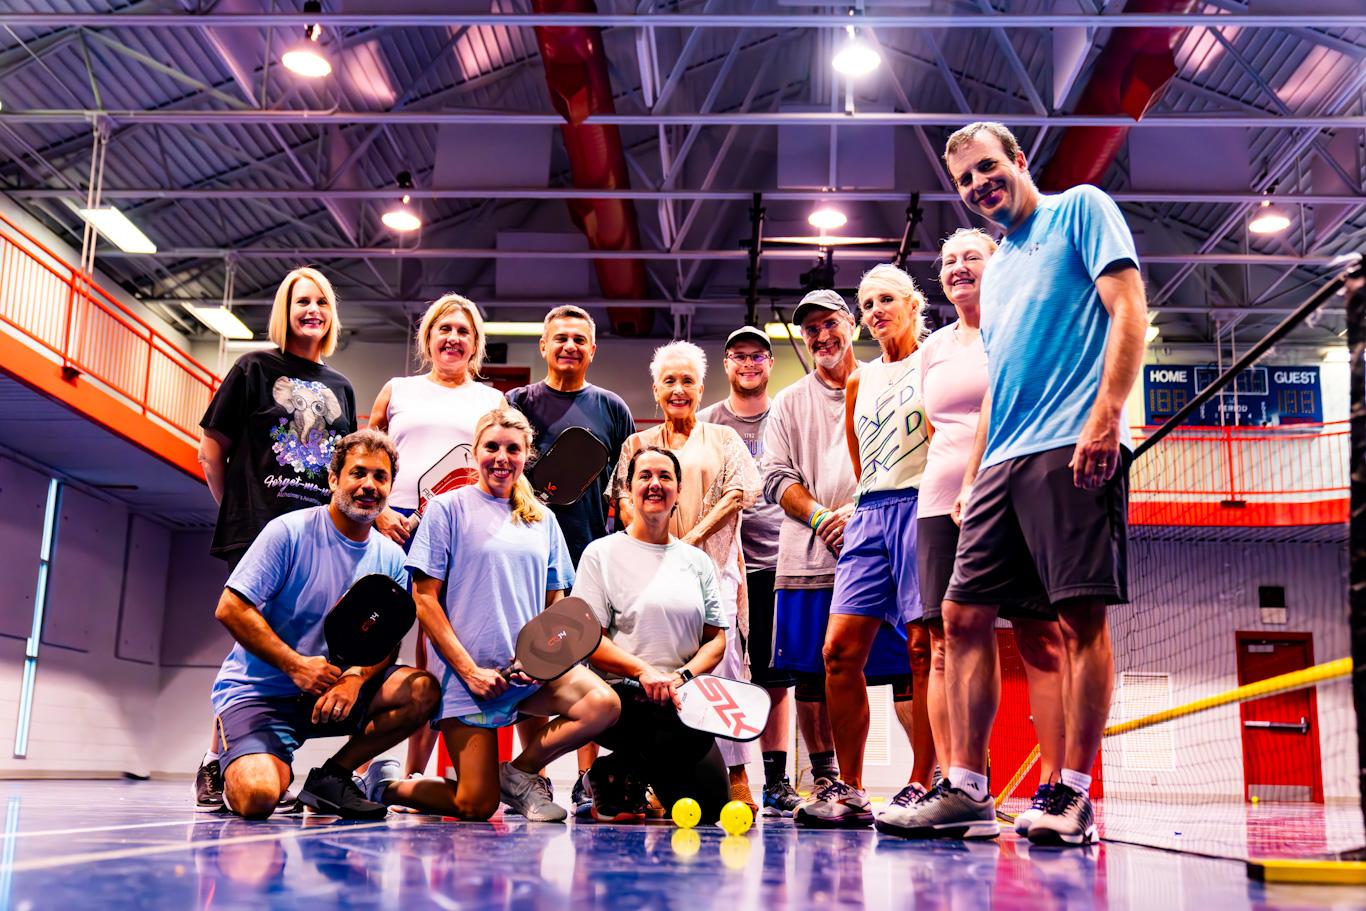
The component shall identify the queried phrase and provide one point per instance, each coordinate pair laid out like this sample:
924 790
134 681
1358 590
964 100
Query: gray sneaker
835 805
377 778
1070 820
528 795
944 812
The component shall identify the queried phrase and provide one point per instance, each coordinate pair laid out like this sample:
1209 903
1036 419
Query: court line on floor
90 857
138 825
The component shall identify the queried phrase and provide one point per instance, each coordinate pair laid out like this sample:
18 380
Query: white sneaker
528 795
1037 807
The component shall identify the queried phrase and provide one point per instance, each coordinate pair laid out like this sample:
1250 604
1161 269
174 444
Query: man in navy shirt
277 689
566 399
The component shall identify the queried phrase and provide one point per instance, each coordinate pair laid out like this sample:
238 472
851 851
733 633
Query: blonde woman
875 576
427 416
269 433
719 480
485 560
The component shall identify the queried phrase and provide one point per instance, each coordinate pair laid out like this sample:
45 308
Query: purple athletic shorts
876 572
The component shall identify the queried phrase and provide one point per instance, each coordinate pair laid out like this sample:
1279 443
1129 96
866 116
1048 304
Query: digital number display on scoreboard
1265 395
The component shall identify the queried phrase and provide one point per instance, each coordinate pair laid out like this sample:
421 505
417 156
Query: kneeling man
277 689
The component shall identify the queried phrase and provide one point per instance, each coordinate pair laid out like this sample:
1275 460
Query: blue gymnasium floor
138 845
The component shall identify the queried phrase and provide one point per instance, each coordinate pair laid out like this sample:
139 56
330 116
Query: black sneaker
1070 820
580 798
338 795
208 788
616 797
780 799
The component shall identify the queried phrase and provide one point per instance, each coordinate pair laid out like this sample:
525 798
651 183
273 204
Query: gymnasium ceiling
231 163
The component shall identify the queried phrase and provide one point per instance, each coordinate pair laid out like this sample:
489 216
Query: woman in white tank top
427 416
875 575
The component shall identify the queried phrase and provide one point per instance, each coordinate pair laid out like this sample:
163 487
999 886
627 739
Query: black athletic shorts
761 671
937 546
1030 533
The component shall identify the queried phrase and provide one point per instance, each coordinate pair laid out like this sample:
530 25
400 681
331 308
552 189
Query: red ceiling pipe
1129 77
576 74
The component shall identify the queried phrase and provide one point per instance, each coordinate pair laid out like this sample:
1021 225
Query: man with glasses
807 472
749 363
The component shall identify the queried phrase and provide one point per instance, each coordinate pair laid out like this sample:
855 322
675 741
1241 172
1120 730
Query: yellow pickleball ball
1256 800
685 842
736 818
686 813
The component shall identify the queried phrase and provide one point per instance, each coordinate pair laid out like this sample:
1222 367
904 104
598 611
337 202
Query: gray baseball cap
820 299
749 334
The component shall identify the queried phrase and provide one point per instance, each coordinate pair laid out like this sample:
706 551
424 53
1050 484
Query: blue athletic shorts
278 725
875 575
800 616
496 713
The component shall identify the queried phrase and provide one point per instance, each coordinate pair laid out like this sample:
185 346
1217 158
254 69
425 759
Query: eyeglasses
756 359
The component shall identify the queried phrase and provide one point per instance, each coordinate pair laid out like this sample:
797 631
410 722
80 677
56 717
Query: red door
1281 732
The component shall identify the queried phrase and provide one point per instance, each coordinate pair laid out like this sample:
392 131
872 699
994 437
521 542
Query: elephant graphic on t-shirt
311 406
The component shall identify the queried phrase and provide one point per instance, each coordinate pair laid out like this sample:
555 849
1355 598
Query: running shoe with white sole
944 812
780 799
208 787
1037 807
580 798
527 794
835 805
1070 820
377 778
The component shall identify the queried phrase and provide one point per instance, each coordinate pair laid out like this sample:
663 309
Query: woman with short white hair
719 480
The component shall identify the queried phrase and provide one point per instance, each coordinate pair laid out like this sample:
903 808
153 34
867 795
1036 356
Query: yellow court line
81 831
1349 872
47 863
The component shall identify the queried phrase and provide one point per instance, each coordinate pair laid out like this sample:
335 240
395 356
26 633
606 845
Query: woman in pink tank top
954 376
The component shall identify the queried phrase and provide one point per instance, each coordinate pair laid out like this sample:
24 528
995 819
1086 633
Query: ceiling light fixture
221 320
306 56
827 218
856 56
118 230
1268 220
494 327
402 218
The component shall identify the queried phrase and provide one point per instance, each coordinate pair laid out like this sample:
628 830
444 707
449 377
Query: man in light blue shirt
1045 497
277 688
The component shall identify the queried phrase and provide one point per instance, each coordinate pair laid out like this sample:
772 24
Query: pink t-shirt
954 378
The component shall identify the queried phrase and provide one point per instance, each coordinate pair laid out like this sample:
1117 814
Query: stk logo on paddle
724 704
369 622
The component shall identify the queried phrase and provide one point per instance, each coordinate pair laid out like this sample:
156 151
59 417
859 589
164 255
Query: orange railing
58 310
1292 475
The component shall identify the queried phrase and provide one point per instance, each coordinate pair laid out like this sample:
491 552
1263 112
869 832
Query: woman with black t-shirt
269 433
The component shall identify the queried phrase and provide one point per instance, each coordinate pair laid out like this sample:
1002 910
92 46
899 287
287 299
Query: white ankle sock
209 757
1077 781
970 783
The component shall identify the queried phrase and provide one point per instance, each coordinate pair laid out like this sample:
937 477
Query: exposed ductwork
576 74
1128 78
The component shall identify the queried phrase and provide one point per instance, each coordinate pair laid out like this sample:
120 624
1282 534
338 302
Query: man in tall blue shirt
276 688
1045 498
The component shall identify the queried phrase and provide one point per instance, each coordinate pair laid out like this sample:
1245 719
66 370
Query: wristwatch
685 674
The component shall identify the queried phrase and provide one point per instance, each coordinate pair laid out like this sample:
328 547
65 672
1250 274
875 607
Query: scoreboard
1266 396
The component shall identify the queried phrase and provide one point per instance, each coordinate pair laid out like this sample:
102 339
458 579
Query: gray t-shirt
652 599
760 523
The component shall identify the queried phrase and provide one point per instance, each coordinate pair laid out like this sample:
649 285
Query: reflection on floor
137 845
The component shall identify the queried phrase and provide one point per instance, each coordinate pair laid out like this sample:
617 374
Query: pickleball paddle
368 622
562 475
452 471
730 709
556 639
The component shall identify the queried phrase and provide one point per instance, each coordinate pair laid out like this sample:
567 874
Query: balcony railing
1257 476
59 311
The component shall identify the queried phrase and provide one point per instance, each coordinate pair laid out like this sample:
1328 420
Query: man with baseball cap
807 472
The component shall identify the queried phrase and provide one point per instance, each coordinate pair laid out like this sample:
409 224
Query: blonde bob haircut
525 507
278 332
442 307
887 277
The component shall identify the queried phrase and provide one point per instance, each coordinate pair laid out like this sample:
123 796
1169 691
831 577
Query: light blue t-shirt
295 570
1043 324
496 572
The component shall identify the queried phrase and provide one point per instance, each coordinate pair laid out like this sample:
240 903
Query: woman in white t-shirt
659 604
954 378
427 416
